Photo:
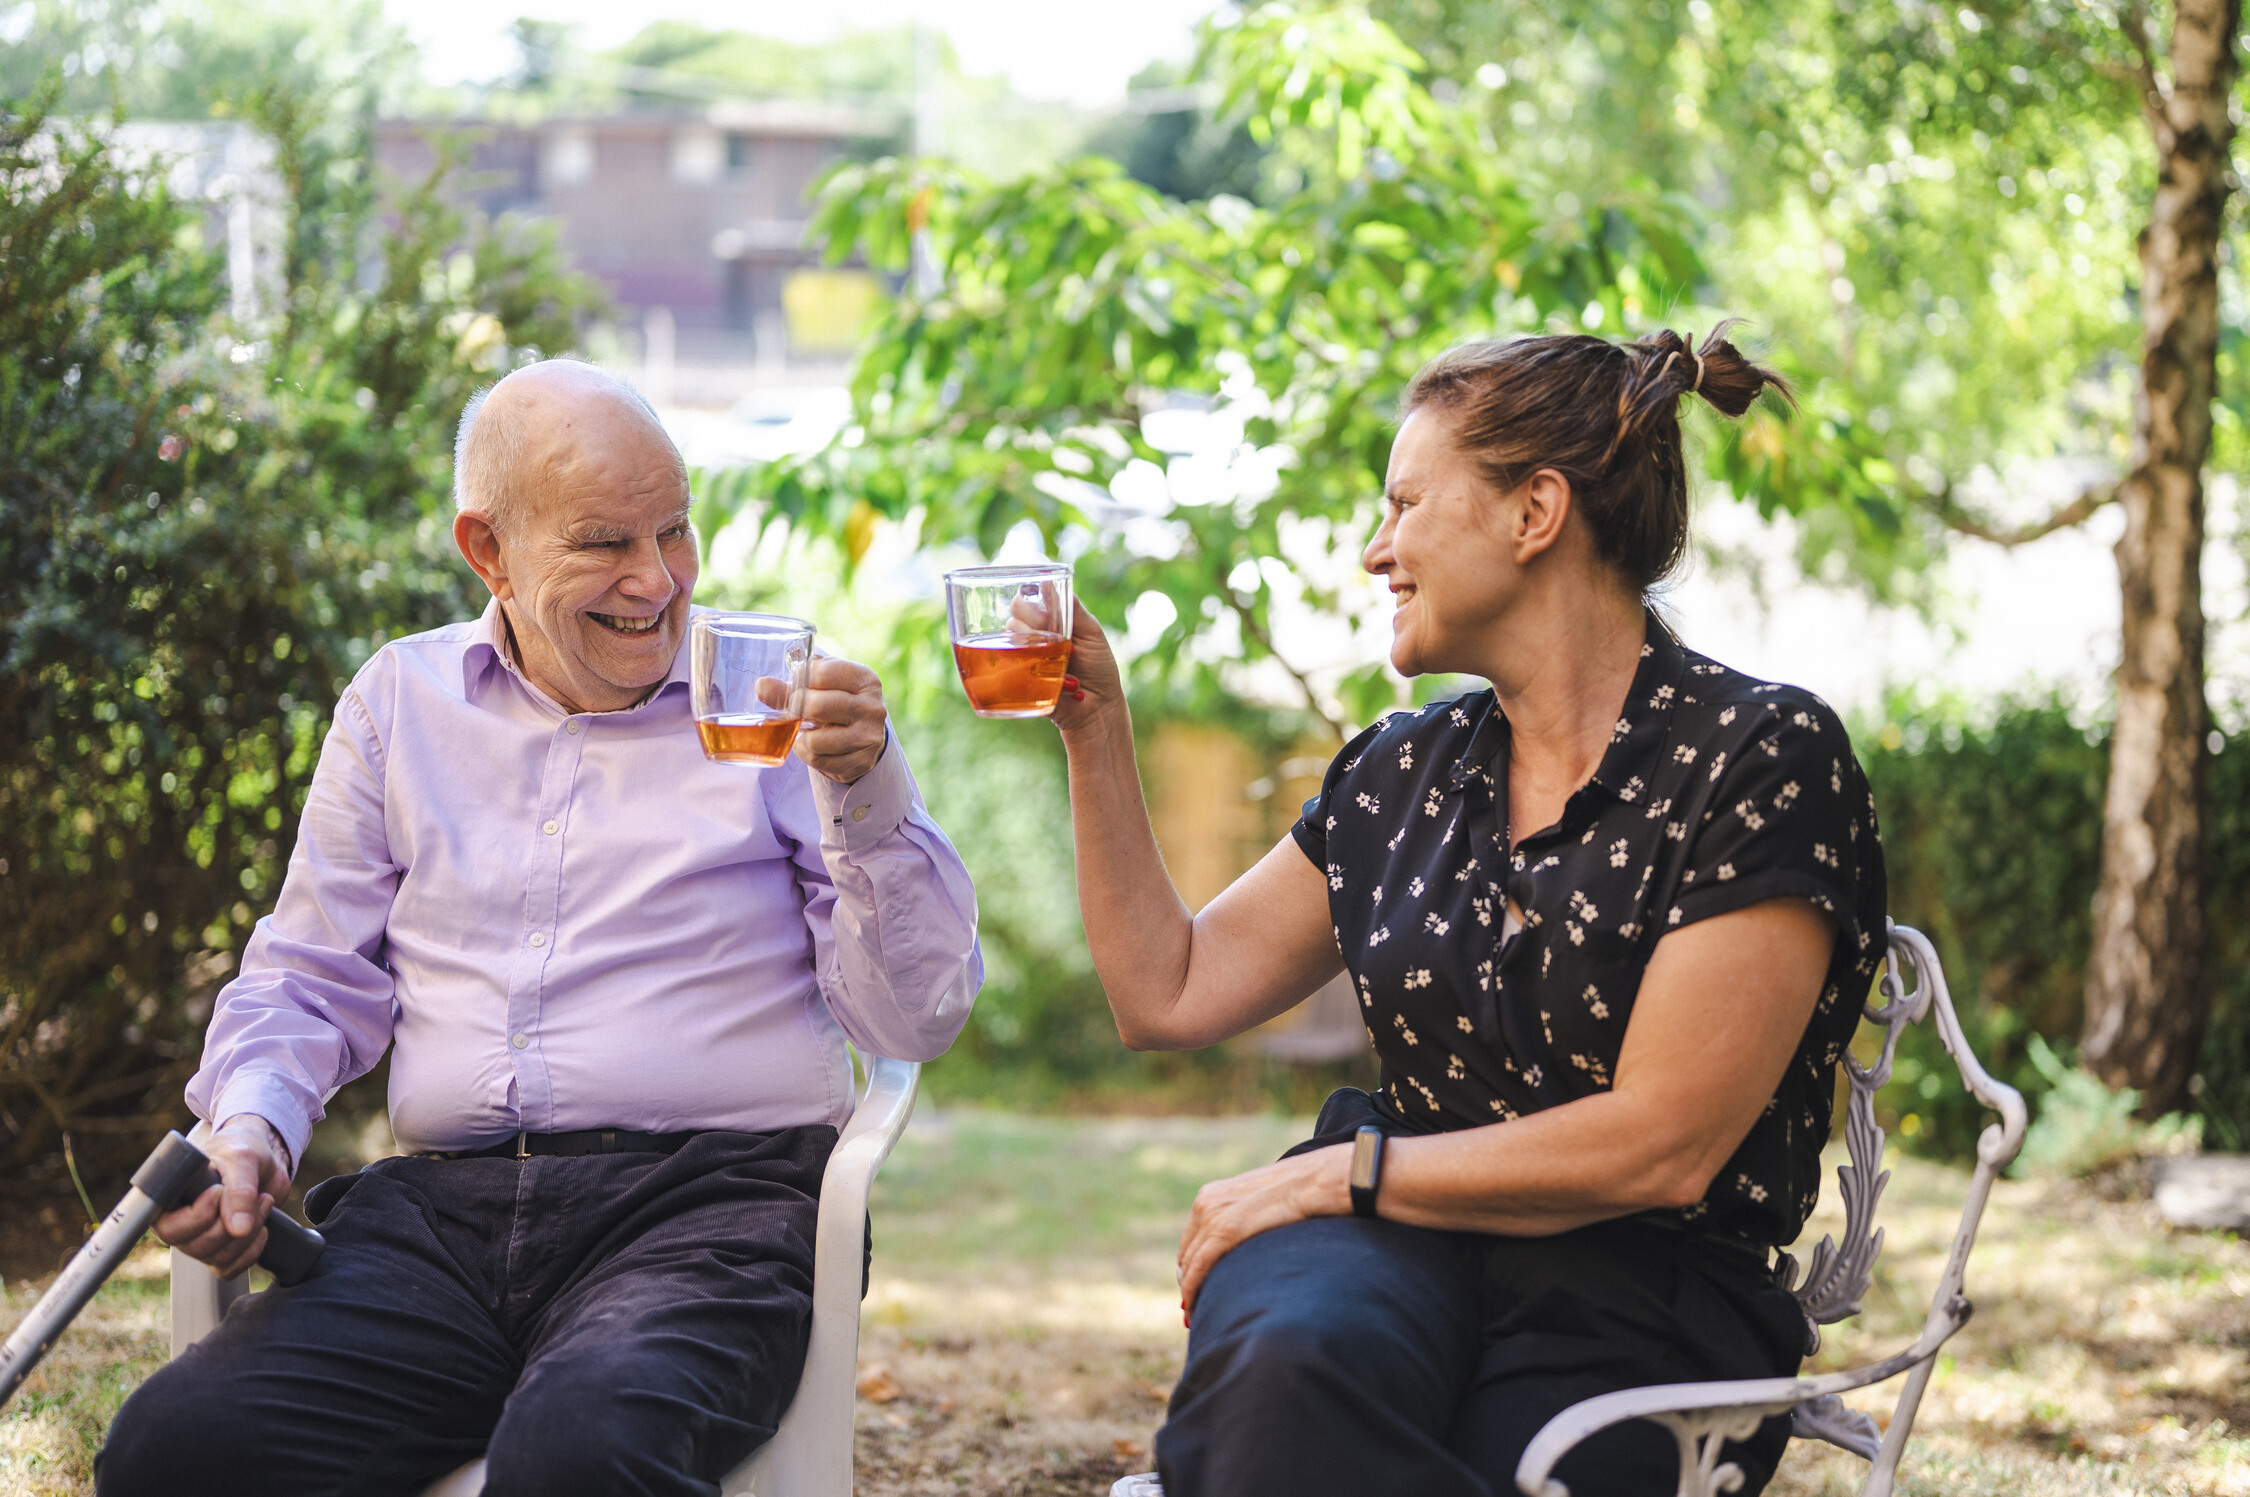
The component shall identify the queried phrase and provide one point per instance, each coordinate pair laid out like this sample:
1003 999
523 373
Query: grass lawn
1023 1329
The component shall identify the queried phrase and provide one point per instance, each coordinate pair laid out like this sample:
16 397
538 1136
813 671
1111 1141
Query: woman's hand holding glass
1095 688
1008 625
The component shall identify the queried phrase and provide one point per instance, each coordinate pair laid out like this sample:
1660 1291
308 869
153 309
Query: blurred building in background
695 221
223 171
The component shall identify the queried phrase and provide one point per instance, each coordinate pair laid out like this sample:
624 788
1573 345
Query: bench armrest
1704 1416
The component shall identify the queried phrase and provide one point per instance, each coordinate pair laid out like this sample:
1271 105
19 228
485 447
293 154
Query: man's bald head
530 424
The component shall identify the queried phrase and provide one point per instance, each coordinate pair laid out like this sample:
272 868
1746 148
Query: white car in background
762 426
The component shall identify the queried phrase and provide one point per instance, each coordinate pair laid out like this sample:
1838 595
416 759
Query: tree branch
1954 517
1257 631
2133 21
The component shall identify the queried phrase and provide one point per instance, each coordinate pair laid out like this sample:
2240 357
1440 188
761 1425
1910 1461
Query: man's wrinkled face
600 560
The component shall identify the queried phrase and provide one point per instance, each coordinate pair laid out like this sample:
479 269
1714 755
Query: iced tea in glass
1011 636
748 672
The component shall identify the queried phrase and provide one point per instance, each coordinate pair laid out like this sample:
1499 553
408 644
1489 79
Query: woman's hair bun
1667 366
1606 415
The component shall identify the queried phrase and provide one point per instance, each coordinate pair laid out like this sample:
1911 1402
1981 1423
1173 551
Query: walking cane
173 1175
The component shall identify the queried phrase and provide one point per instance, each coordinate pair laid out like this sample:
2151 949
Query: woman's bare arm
1719 1014
1176 981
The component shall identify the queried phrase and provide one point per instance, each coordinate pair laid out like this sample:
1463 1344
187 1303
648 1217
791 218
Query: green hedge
1992 829
204 527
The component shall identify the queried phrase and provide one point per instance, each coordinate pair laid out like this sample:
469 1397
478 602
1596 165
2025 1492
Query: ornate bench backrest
1837 1279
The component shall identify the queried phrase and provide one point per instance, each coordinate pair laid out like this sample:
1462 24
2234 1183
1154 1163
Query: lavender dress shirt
565 921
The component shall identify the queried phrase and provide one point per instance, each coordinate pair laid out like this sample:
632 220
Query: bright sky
1074 52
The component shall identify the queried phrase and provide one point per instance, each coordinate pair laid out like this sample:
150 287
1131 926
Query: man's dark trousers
607 1324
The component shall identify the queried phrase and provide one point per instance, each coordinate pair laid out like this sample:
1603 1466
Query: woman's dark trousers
607 1324
1361 1356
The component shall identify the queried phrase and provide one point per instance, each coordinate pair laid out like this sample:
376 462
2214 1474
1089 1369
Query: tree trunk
2145 1000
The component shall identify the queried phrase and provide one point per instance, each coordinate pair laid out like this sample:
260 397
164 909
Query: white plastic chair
810 1455
1704 1416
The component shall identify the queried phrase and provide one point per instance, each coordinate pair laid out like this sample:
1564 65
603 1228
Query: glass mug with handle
1011 636
748 673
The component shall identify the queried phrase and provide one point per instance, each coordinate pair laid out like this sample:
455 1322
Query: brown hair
1604 415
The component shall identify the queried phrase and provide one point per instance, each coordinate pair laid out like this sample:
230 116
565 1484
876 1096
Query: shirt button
522 1040
538 938
550 827
859 813
571 726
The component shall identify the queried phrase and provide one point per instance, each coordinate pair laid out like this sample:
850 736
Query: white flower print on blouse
1712 796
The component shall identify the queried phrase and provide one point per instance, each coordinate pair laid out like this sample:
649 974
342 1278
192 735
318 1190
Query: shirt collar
487 648
1635 747
488 651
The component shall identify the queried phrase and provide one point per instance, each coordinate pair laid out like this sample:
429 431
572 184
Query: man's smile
620 624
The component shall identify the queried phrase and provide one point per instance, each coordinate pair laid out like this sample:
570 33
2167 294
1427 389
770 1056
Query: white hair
488 451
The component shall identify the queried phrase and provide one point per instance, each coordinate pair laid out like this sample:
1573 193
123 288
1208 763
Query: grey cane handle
178 1172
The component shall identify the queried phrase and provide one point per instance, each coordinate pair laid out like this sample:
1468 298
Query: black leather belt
573 1145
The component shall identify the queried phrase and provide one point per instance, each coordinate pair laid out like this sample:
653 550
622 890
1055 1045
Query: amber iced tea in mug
742 739
1013 675
748 673
1011 636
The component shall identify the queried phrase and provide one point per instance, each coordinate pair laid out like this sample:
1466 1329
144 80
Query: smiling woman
1609 922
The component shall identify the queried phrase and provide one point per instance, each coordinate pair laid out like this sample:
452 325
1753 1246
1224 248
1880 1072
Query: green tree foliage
869 66
1183 153
1999 231
881 75
159 59
1071 303
1933 209
204 529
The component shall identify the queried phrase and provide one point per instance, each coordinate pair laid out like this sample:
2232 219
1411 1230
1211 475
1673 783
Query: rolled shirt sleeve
1790 815
893 914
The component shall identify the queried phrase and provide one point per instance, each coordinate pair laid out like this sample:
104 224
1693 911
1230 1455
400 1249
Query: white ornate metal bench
810 1455
1704 1416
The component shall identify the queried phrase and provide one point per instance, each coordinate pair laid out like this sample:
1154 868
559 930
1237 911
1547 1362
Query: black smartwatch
1367 1168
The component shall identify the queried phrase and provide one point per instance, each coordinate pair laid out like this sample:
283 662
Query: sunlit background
717 311
914 283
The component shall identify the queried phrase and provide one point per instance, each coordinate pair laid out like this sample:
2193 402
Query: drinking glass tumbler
749 684
1011 636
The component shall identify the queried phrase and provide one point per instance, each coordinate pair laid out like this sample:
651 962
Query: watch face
1364 1146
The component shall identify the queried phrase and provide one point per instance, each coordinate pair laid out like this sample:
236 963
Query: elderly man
616 980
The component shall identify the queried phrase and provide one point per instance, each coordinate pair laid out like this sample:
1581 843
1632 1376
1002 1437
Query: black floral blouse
1718 791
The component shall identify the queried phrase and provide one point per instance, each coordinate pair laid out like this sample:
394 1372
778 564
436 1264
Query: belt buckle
523 1143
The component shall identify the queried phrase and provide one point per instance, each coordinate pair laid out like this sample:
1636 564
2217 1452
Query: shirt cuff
863 813
272 1099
